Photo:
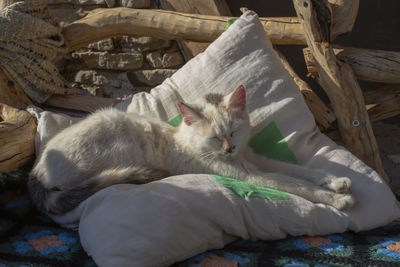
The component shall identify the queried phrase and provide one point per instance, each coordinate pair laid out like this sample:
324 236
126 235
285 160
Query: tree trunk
337 78
367 64
104 23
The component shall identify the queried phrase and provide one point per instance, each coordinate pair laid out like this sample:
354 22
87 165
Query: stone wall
116 67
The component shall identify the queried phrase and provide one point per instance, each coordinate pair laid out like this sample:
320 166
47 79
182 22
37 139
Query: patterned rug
29 238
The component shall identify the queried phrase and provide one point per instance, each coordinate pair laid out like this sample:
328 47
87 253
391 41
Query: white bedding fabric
170 220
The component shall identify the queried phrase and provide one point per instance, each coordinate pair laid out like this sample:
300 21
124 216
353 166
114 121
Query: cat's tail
58 201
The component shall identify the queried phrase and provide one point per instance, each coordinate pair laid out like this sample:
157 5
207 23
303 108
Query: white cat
113 147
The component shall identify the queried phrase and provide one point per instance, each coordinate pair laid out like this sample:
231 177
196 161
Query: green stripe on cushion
244 189
229 23
270 143
176 121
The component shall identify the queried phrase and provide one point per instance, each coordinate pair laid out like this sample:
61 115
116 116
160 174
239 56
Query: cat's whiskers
210 159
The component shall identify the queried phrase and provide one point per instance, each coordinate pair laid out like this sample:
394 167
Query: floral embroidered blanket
30 238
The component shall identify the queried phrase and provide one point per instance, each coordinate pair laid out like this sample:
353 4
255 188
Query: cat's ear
189 114
237 99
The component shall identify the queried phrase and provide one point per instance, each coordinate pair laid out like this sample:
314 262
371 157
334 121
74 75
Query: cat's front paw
343 201
338 185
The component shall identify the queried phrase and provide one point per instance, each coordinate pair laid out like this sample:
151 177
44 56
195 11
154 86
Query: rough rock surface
150 77
119 66
154 59
143 44
103 45
111 61
173 59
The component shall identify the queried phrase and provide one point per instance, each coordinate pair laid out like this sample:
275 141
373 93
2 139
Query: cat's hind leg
338 185
316 176
343 201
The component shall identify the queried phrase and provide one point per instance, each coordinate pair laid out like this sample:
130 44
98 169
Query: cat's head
218 126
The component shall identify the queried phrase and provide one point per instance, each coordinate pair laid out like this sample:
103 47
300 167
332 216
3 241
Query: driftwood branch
367 64
323 115
380 92
17 127
338 80
384 110
344 13
17 133
81 103
103 23
383 101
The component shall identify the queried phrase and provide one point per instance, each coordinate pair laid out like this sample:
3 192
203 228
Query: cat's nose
230 149
226 147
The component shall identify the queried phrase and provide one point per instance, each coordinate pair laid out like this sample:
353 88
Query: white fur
110 141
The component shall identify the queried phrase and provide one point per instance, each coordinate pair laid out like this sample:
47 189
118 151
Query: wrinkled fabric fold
30 39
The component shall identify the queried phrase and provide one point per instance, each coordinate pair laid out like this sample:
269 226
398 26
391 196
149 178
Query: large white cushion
178 217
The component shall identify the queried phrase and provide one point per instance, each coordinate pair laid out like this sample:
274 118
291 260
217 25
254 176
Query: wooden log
379 93
344 14
104 23
371 64
17 134
207 7
368 64
81 103
383 101
337 78
17 127
384 110
323 115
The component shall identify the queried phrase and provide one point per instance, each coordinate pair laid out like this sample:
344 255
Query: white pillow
178 217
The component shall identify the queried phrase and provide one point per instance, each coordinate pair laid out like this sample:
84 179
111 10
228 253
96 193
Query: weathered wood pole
103 23
368 64
17 127
339 82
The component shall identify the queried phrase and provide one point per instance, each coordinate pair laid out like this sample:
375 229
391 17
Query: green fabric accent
244 189
176 121
229 23
270 143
